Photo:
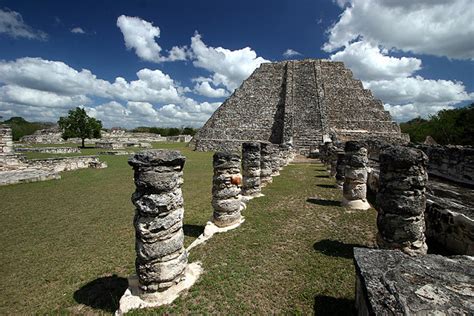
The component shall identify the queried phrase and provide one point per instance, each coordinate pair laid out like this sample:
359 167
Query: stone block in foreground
389 282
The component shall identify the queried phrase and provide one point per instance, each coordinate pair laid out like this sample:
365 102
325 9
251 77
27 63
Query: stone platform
389 282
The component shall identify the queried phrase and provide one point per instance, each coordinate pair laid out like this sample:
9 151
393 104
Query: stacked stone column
251 169
161 258
332 163
354 190
8 160
226 198
275 160
401 199
340 168
265 163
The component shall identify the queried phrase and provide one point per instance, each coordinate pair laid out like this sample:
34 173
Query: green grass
68 245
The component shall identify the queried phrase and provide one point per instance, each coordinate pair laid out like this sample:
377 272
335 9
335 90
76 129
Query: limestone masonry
297 102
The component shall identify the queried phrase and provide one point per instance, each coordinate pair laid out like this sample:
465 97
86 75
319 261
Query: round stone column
226 198
401 199
251 169
354 190
340 169
275 160
265 163
161 258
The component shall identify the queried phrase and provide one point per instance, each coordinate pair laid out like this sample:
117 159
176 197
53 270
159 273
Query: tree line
455 127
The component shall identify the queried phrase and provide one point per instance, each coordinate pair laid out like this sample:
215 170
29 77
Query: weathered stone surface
161 257
389 282
226 199
251 169
8 160
298 102
401 199
354 189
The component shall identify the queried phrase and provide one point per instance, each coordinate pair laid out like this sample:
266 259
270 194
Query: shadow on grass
322 176
193 230
326 186
103 293
327 305
323 202
335 248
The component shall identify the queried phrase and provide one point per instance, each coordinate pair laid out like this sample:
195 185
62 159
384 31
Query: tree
79 124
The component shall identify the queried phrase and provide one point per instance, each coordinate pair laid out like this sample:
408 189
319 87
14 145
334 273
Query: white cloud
229 67
12 24
291 52
140 35
435 27
78 30
368 62
39 89
205 89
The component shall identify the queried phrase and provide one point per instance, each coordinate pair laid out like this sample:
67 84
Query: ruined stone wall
49 150
455 163
67 163
8 160
297 102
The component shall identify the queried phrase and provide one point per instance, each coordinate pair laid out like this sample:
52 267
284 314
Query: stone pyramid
297 102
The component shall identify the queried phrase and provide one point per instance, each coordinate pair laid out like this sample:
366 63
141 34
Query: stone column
340 168
8 159
401 199
226 198
332 157
275 158
265 163
251 169
161 258
354 190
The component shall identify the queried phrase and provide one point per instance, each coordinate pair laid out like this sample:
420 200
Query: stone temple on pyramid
297 102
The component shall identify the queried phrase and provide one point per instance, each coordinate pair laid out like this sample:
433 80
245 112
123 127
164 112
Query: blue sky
171 63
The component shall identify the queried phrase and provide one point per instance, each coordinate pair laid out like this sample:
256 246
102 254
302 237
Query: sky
172 63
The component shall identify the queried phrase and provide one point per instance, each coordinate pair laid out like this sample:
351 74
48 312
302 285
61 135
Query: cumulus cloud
205 89
435 27
12 24
78 30
291 52
368 62
368 31
229 67
140 35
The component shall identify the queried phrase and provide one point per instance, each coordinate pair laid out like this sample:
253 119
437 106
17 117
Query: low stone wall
49 150
389 282
67 163
449 217
455 163
109 145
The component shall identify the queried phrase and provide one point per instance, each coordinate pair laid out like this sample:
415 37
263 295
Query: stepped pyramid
297 102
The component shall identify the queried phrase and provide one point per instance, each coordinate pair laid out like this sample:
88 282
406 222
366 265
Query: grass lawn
67 246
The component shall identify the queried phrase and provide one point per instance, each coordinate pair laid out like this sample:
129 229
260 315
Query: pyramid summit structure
297 102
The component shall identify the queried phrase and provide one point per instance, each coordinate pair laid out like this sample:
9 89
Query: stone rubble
401 200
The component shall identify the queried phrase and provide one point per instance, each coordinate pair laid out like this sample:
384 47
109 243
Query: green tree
79 124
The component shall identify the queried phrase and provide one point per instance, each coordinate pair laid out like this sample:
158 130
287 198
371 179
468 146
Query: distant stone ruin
297 102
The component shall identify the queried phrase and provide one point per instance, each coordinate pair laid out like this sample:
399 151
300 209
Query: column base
212 229
356 204
134 298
